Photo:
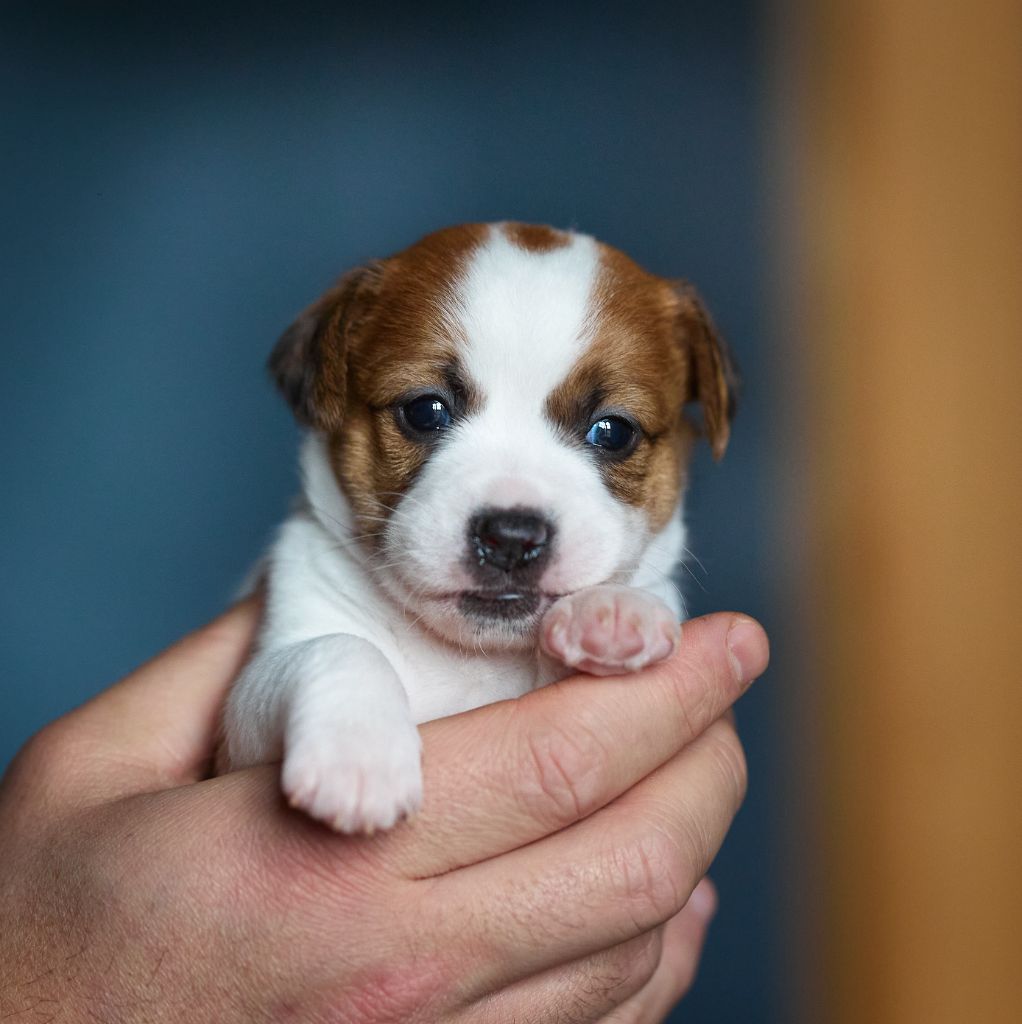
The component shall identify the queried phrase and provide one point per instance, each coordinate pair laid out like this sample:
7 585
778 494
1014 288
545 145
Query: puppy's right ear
310 361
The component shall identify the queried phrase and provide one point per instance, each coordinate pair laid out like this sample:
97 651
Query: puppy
492 481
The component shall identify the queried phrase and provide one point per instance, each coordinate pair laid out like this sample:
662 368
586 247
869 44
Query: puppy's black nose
510 539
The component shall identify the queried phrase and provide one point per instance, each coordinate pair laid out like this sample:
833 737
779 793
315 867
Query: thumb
157 727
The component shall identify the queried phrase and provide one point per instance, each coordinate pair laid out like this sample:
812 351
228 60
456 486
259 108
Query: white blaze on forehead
526 316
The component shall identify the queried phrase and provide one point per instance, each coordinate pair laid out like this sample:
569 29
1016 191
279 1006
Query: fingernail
703 901
747 645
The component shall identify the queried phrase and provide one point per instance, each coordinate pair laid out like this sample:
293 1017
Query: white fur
354 651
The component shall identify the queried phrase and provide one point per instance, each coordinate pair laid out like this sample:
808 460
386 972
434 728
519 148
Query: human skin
547 878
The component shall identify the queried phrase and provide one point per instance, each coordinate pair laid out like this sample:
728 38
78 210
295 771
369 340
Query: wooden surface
912 206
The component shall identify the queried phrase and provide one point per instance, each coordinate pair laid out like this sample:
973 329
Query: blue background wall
176 185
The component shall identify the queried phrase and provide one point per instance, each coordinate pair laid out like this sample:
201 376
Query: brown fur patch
308 362
404 344
535 237
650 355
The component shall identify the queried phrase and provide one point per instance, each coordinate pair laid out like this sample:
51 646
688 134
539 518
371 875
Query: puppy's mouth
514 610
507 606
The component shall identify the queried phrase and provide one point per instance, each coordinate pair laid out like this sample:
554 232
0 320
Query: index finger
505 775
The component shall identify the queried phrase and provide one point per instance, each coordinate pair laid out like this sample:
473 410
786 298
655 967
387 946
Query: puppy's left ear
310 361
713 379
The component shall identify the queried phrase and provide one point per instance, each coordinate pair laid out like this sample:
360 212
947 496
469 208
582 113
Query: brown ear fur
713 377
309 362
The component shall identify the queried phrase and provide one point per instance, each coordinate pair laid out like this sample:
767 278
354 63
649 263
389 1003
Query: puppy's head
502 406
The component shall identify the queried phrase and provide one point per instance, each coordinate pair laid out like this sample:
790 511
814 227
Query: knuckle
702 689
652 877
563 773
44 762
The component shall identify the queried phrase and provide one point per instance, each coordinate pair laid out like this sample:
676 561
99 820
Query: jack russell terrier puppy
492 481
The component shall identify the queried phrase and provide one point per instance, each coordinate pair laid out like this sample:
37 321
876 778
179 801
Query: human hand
547 877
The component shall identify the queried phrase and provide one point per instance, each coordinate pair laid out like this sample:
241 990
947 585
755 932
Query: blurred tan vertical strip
914 219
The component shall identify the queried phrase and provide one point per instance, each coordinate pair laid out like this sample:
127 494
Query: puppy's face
503 408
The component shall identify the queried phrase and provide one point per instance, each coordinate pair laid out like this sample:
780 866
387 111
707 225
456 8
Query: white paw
609 630
355 780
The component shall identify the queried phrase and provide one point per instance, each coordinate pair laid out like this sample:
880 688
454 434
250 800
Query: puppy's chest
442 681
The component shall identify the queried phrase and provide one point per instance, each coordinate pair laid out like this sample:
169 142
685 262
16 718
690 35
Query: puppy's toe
609 630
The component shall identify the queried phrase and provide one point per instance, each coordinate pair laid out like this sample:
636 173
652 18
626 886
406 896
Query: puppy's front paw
609 630
354 780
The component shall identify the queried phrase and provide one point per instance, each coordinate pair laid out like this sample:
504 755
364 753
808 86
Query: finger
580 992
635 977
684 938
502 776
157 727
602 881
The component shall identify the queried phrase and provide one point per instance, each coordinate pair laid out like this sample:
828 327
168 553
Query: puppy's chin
476 620
490 635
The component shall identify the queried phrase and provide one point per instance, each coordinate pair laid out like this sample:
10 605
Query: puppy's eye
612 434
427 414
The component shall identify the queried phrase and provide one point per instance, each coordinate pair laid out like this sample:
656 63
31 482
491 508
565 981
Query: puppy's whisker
695 558
699 583
666 578
327 515
385 566
659 547
355 538
417 619
406 499
350 545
